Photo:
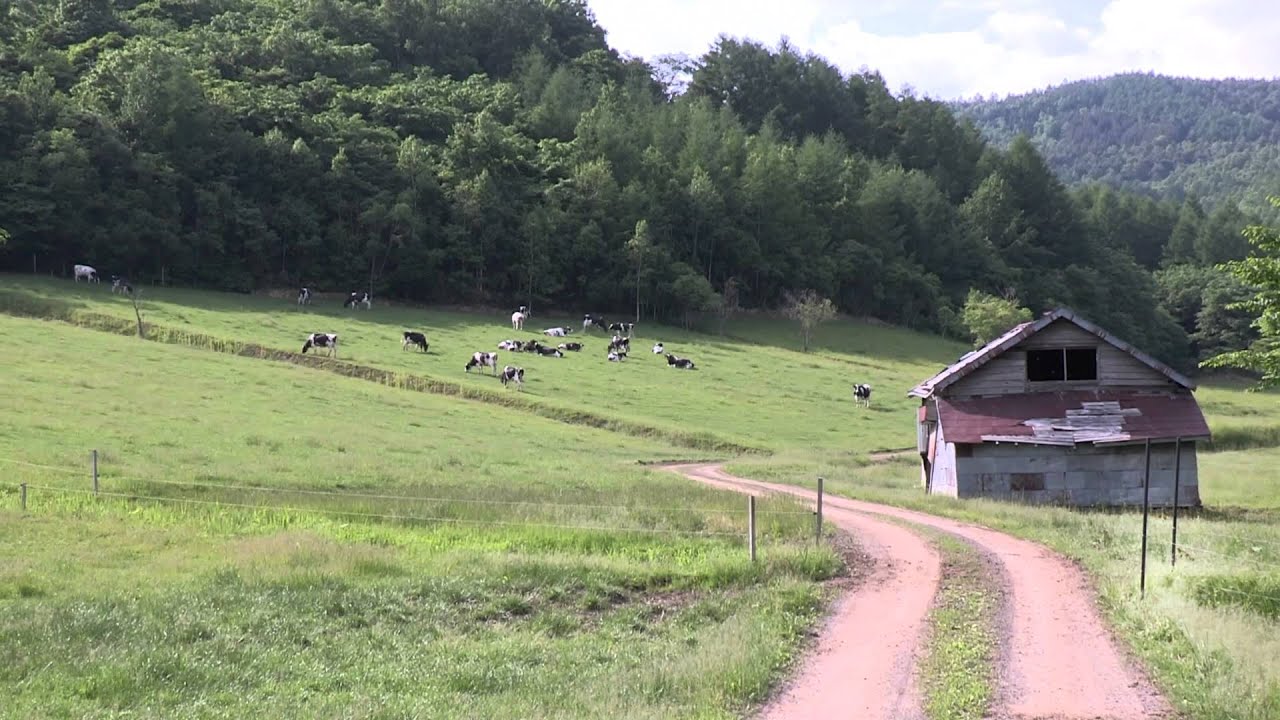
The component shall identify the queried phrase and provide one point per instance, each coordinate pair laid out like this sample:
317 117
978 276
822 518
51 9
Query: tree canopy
1261 271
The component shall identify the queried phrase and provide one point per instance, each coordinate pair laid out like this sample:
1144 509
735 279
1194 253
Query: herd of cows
618 349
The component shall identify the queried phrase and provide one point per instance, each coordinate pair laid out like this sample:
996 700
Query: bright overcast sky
951 49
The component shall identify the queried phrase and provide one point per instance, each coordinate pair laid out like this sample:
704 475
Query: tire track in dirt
1060 661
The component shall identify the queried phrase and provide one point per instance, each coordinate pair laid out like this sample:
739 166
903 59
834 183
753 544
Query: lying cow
659 349
557 331
511 345
549 352
357 298
328 341
483 360
87 272
415 339
574 347
679 362
862 394
616 356
512 374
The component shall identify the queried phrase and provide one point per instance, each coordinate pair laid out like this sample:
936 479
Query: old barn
1058 410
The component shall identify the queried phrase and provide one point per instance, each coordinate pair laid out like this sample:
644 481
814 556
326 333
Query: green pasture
463 559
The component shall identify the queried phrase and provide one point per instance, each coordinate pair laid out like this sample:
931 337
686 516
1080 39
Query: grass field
1206 629
122 606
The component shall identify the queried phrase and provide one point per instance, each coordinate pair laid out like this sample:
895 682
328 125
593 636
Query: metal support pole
819 530
95 472
22 496
1177 480
751 526
1146 513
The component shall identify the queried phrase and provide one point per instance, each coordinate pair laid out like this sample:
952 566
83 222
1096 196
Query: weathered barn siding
1083 475
1004 375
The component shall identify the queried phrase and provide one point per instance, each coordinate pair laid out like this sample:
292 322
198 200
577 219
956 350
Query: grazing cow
620 343
509 345
121 285
550 352
624 328
87 272
356 298
589 321
615 356
513 374
658 349
483 360
575 347
557 331
304 296
862 394
328 341
679 362
416 339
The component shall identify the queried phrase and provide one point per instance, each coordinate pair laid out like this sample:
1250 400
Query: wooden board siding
1006 374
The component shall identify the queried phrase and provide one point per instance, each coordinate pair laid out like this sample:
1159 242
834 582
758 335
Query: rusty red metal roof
1074 417
976 359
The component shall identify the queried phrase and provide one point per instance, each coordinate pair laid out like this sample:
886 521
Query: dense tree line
495 151
1218 140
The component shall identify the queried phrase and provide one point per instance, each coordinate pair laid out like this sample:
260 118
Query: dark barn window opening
1062 364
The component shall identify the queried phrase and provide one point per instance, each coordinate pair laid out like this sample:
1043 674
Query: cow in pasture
483 360
557 331
518 317
549 352
329 341
87 272
862 394
509 345
121 285
357 298
304 296
616 356
513 375
530 346
573 347
679 362
624 328
620 343
659 349
589 321
415 339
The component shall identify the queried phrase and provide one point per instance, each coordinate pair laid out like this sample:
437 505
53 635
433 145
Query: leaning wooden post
818 535
22 496
1177 473
95 472
1146 512
751 526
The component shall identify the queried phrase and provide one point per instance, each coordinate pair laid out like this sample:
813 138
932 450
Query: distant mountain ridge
1171 137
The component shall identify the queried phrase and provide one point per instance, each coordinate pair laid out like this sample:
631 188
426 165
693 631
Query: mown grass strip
20 305
958 671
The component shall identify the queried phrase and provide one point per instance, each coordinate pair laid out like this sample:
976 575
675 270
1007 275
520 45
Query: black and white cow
415 339
620 344
617 356
513 375
304 296
483 360
679 362
659 349
625 328
121 285
530 346
511 345
574 347
549 352
862 394
557 331
356 298
589 321
87 272
328 341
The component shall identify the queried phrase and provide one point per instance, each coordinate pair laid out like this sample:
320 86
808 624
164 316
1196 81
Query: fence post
751 526
22 496
95 472
1146 512
819 523
1177 480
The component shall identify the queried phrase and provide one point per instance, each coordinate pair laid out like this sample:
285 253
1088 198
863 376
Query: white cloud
1006 46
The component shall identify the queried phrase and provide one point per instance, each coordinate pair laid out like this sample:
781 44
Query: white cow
87 272
517 319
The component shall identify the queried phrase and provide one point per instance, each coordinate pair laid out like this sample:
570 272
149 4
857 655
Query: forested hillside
1173 137
494 151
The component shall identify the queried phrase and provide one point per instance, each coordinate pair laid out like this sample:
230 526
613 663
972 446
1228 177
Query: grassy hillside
1172 137
497 563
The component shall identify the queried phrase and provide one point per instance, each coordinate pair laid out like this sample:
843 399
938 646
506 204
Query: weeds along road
1058 660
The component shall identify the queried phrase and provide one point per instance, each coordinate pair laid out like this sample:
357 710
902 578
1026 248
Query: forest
489 152
1218 140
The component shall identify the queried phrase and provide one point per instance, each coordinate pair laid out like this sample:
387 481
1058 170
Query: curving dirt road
1060 662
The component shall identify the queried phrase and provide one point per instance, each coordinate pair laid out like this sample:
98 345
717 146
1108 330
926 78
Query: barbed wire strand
69 471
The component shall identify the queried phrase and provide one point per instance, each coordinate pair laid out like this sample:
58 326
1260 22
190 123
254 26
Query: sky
960 49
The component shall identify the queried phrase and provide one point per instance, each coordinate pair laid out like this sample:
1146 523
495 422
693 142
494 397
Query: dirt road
1060 661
